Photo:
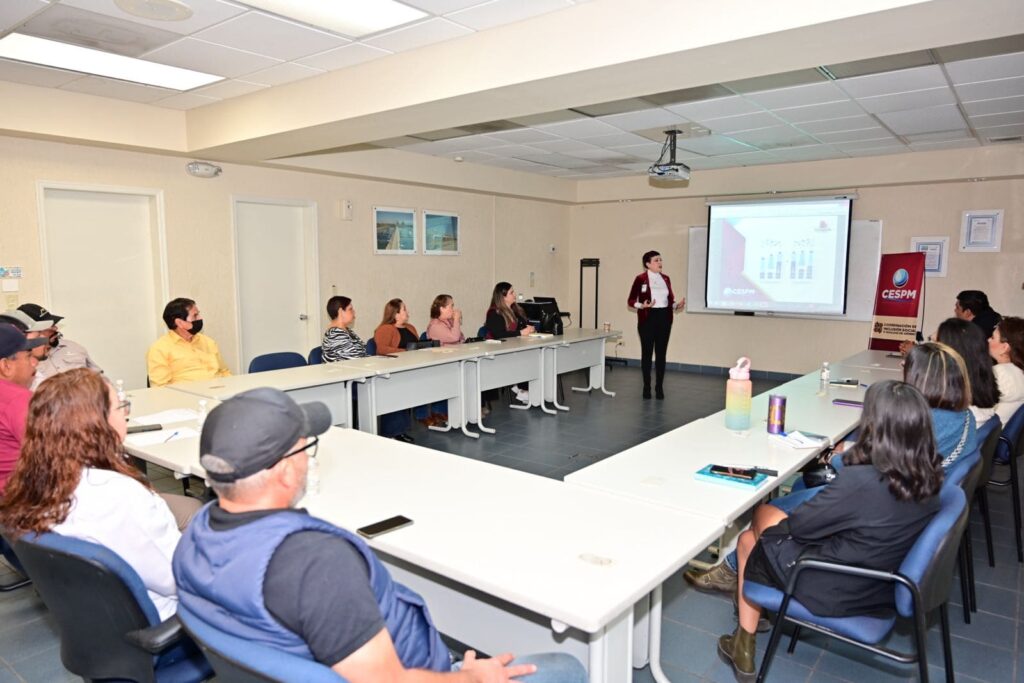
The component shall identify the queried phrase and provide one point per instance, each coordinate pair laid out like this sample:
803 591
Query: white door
104 274
276 246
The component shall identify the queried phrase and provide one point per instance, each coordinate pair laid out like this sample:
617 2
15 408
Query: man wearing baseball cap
64 354
17 368
253 566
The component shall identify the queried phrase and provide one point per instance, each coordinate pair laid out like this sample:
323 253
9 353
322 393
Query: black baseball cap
254 430
39 314
13 340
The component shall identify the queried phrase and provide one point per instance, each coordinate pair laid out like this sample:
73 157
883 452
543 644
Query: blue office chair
237 660
922 584
371 347
12 560
423 336
483 333
276 361
1011 445
988 434
965 473
316 356
109 627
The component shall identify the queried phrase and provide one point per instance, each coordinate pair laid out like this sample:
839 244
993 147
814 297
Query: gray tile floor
991 648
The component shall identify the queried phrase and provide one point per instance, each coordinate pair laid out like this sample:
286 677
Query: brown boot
719 579
739 650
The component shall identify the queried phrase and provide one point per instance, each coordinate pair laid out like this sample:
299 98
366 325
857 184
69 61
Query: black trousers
654 333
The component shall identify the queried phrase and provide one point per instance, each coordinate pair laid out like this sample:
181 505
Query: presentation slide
785 256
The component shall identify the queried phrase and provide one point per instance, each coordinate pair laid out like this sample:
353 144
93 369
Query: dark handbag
819 474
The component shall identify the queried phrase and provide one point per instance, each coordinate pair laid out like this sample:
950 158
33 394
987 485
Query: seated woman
73 478
506 318
391 336
869 516
340 340
939 374
1006 346
445 326
968 340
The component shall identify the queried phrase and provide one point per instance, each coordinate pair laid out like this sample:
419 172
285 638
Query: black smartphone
383 527
734 472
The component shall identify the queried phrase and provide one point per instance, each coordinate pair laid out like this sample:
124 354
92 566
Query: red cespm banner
899 300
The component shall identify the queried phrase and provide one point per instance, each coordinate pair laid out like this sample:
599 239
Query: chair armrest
155 639
823 565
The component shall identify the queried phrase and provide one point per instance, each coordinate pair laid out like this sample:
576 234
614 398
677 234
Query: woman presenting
652 297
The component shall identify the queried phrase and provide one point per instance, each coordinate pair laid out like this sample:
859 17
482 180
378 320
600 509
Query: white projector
670 172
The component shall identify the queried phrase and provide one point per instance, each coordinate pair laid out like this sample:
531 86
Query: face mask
197 327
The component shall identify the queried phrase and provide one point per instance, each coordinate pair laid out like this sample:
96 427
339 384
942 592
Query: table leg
610 657
467 414
655 637
554 377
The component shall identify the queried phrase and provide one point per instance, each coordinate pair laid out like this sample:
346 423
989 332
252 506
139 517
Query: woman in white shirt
73 478
652 297
1006 346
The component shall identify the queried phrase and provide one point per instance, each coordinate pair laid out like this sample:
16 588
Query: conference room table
175 446
873 360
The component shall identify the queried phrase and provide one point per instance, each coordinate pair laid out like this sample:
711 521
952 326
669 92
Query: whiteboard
865 254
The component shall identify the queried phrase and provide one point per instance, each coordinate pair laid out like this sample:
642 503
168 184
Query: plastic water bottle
823 380
201 417
312 477
737 396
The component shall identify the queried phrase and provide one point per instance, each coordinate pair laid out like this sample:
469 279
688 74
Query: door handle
303 316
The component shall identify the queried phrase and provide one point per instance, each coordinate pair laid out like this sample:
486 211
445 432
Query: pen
170 437
866 386
765 471
389 355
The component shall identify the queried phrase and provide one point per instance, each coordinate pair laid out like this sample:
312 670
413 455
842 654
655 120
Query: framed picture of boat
394 230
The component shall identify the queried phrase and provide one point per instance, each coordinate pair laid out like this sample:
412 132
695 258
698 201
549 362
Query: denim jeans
552 667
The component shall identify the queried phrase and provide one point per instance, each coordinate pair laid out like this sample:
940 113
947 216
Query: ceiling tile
932 119
712 145
349 55
204 13
282 73
904 80
647 118
731 124
648 150
418 35
638 166
986 68
749 158
14 12
777 136
471 156
705 163
948 144
869 144
1001 131
442 6
836 125
266 35
97 31
227 89
199 55
31 74
990 90
798 96
1000 106
714 108
510 150
617 140
876 133
877 151
808 153
463 144
601 155
118 90
580 129
908 100
961 134
1007 119
820 112
499 12
524 136
566 161
562 145
185 100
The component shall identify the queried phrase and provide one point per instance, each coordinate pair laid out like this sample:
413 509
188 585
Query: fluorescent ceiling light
353 18
34 50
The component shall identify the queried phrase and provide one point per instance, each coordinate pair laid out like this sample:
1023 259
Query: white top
120 513
981 415
1010 380
659 290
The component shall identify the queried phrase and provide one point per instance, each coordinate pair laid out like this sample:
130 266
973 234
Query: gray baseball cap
254 430
21 320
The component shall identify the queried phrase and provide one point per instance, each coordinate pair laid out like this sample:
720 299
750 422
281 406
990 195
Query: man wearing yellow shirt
183 354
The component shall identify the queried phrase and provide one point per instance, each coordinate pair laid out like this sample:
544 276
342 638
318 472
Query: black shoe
404 438
647 393
659 394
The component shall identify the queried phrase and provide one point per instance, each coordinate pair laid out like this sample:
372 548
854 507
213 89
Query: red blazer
641 292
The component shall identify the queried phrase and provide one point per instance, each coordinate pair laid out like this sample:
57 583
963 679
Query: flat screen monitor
779 256
537 312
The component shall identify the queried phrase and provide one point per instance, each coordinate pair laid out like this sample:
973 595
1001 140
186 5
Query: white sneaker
521 395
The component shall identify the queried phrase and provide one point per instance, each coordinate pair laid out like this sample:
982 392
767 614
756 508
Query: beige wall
618 233
502 238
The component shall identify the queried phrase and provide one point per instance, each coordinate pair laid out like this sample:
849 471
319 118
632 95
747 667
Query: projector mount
669 169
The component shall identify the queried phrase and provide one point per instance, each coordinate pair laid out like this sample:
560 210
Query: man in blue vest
252 565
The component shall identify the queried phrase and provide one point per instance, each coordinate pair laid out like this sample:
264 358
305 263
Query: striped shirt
342 344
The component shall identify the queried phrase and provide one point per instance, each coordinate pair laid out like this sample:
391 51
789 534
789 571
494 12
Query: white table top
535 542
661 470
180 455
874 360
288 379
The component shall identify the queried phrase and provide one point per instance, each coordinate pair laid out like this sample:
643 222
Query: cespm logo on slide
900 277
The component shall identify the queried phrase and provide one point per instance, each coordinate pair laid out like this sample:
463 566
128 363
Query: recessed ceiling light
34 50
353 18
157 10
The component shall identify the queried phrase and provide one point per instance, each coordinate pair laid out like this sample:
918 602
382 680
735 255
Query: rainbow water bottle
737 397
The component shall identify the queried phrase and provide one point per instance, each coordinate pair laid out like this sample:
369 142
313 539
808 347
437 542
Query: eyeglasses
126 407
309 444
